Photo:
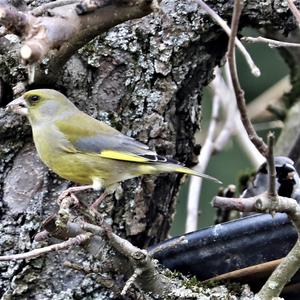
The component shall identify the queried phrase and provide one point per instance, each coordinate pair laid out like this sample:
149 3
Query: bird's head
41 104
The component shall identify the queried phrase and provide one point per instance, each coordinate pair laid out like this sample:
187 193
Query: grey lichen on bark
144 77
151 91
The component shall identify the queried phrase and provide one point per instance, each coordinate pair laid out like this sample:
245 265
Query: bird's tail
189 171
171 167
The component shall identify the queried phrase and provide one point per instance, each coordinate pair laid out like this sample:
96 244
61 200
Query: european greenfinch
84 150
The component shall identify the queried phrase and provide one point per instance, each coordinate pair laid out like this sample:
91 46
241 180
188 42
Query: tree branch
65 30
272 193
294 10
71 242
270 202
239 93
44 7
254 69
270 42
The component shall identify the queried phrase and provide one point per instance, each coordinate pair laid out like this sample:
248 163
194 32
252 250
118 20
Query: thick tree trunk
145 78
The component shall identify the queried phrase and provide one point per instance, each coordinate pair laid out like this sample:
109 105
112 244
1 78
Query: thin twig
294 10
204 157
254 69
265 203
131 280
270 42
43 8
271 168
233 124
239 93
260 203
223 94
71 242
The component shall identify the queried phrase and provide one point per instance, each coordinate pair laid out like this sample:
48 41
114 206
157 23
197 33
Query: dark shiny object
230 246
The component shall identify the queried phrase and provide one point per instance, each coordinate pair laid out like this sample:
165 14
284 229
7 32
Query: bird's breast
58 154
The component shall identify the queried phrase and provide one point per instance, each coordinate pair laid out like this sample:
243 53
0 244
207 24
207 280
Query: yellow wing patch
123 156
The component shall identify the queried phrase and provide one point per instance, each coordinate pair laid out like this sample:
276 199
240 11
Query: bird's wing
89 135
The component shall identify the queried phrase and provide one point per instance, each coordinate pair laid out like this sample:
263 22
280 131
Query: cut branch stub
65 29
46 33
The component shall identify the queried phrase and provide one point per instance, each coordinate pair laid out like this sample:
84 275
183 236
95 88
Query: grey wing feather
120 143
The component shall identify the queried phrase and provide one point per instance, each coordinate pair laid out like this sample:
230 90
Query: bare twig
294 10
233 124
131 280
204 157
239 93
43 8
65 30
251 271
125 247
260 203
71 242
270 42
87 6
271 168
254 69
264 203
223 94
145 273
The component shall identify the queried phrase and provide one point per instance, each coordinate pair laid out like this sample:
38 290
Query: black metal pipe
230 246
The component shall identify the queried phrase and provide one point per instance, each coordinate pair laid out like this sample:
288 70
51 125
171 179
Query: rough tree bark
144 77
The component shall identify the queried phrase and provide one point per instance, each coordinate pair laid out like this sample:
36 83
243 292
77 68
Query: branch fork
64 30
271 202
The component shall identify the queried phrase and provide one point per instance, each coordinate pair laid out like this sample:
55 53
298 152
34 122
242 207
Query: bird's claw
70 192
63 195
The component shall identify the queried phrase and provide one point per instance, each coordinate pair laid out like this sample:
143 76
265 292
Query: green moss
234 288
192 283
172 274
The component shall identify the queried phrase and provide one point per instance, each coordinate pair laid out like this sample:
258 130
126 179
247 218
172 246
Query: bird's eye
34 98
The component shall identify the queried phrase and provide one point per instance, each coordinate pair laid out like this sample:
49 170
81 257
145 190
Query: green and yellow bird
84 150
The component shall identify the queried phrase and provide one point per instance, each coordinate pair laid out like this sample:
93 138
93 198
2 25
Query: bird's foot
97 202
70 192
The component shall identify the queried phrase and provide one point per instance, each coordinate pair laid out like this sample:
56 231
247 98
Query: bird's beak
18 106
